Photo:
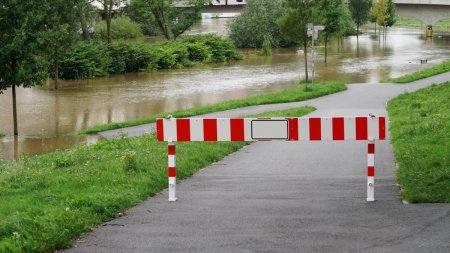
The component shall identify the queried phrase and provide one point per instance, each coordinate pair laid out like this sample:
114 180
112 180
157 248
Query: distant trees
360 10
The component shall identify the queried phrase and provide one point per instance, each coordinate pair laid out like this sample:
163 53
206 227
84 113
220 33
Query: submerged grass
438 69
420 128
48 200
298 93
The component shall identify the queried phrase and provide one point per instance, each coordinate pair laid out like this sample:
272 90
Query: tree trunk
108 4
56 77
160 20
84 28
306 59
357 31
326 47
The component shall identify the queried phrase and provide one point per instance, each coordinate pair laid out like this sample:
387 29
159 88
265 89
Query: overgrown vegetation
420 127
95 59
48 200
438 69
298 93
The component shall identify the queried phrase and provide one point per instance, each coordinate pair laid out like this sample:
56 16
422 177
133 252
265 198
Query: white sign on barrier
270 129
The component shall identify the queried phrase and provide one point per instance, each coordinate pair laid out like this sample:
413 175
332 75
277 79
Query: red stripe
237 129
171 150
315 129
293 129
361 128
382 128
160 129
183 130
210 129
370 171
371 148
172 172
338 128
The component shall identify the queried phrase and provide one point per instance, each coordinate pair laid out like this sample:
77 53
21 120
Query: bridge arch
427 11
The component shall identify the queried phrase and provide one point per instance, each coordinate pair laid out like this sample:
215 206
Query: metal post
371 170
172 171
313 56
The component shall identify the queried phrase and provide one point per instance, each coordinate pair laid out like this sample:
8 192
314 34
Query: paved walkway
286 196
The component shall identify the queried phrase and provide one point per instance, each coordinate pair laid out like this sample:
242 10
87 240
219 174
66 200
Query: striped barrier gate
368 128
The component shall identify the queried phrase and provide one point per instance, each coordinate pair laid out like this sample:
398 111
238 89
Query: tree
86 14
61 33
139 12
107 11
294 23
360 12
22 24
384 12
257 21
173 21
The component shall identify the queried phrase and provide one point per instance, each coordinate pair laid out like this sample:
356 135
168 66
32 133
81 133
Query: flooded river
46 116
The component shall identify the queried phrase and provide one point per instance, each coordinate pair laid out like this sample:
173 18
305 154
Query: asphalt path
286 196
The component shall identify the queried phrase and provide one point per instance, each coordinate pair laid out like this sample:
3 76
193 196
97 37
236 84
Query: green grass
298 93
48 200
420 129
409 22
432 71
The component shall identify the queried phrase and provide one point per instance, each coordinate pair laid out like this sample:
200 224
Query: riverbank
420 127
428 72
50 199
298 93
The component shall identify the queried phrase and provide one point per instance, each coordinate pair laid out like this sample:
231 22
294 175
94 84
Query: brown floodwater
47 116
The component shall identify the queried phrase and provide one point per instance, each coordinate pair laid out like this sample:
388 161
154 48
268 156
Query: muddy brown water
46 116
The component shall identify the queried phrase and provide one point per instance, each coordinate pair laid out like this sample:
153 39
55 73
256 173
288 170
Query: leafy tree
257 20
108 6
335 19
390 13
61 33
360 12
22 24
384 12
294 23
173 21
86 13
139 12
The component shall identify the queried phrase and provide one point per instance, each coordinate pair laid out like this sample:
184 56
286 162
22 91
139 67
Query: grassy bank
298 93
420 127
438 69
48 200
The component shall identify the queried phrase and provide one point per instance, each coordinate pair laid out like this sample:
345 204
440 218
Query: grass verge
298 93
438 69
420 127
48 200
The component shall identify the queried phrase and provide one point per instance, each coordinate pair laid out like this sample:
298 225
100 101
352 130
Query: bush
85 60
90 60
121 28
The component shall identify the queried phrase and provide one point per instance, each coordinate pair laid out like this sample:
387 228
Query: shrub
128 57
121 28
85 60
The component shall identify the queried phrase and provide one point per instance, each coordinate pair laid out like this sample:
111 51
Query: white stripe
372 125
370 189
170 130
172 188
370 160
303 129
196 129
350 128
327 129
248 129
172 162
223 130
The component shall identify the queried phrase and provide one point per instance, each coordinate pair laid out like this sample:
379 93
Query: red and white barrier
369 129
254 129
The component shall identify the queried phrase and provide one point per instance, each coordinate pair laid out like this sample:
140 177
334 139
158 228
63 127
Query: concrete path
286 196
